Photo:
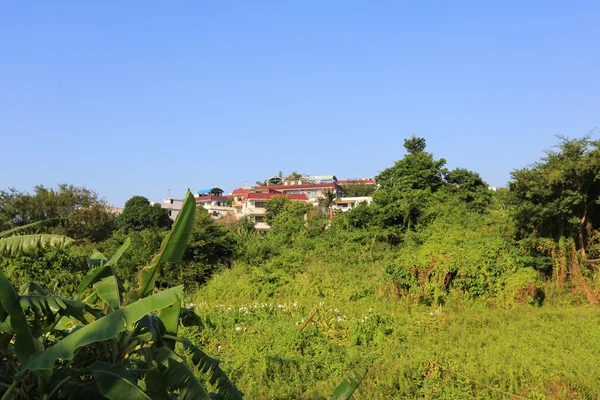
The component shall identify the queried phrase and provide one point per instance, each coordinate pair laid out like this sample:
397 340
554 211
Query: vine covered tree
559 196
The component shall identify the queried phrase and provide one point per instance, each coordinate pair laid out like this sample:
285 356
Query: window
259 219
170 213
260 204
171 201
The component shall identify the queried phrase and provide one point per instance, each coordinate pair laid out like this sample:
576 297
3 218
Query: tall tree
407 187
87 215
469 187
139 214
559 196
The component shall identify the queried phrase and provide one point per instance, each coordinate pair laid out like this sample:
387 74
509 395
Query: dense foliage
437 258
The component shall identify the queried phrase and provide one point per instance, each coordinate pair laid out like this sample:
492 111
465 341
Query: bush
57 268
523 286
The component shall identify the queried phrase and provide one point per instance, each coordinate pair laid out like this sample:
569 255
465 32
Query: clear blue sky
137 97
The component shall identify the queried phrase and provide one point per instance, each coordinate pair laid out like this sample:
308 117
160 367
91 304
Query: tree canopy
559 195
87 215
139 214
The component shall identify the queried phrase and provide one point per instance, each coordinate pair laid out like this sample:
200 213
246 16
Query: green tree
407 187
139 214
559 195
211 246
328 200
274 207
469 187
106 341
358 189
87 215
294 176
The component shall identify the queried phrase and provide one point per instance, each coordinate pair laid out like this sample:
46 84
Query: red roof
363 181
282 188
211 198
269 196
238 192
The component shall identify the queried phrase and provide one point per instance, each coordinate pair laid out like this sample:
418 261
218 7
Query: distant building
253 205
173 205
348 203
215 205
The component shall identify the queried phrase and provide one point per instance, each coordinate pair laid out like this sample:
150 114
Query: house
253 205
314 191
173 205
348 203
215 205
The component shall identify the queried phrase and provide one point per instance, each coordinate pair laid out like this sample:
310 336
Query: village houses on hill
251 201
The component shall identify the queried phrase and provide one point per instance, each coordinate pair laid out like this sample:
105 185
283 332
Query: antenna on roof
169 193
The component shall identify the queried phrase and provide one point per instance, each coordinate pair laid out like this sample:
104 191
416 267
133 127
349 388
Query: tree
274 207
416 170
210 246
559 196
414 145
407 188
358 189
106 341
139 214
294 176
327 201
469 187
87 216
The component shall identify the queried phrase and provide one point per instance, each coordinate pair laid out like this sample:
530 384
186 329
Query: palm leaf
179 376
25 344
348 385
52 306
16 244
33 227
171 249
81 390
104 269
104 328
208 365
97 259
116 383
108 290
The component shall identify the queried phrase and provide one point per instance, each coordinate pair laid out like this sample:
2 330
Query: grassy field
251 319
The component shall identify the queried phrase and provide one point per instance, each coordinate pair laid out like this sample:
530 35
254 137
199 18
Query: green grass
251 318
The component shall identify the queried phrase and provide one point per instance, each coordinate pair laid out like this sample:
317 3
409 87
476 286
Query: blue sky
141 97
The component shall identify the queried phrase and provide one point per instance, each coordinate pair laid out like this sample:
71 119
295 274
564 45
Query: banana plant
14 241
107 342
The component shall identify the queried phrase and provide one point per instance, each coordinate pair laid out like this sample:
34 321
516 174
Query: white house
348 203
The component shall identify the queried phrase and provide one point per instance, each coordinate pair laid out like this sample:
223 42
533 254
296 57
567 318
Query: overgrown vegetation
441 288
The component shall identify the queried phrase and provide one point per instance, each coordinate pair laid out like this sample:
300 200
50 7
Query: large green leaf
97 259
210 366
347 386
179 376
25 344
171 249
115 258
92 277
104 268
52 306
170 318
116 383
33 227
16 244
108 290
104 328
